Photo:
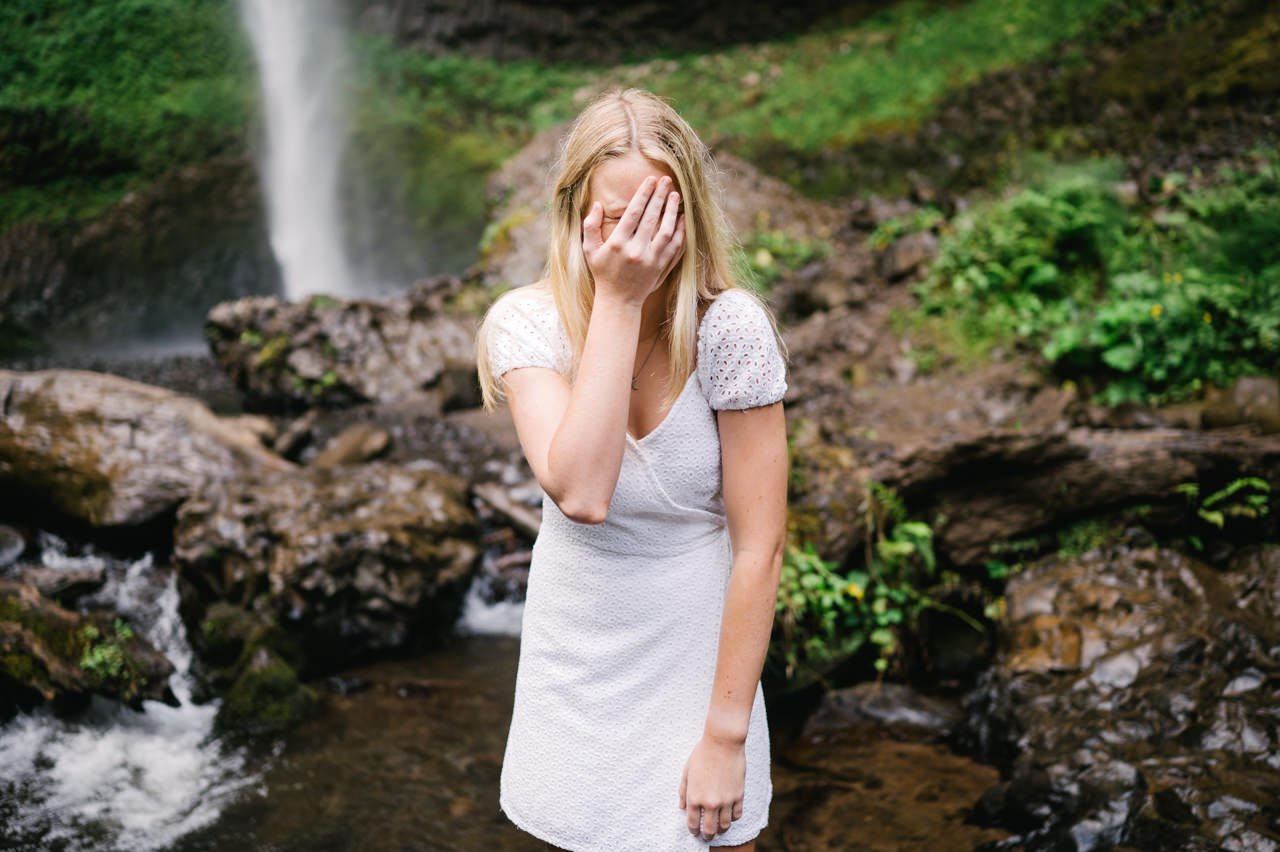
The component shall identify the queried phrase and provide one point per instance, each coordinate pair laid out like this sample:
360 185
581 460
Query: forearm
745 628
585 455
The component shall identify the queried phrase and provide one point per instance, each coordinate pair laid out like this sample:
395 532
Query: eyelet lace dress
622 619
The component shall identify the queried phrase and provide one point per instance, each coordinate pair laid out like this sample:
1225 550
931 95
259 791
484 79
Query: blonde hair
614 125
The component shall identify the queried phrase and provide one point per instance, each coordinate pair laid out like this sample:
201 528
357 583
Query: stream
406 755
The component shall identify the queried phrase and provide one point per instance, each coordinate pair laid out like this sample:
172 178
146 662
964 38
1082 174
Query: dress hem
526 826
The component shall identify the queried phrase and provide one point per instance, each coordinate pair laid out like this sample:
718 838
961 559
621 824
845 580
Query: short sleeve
740 364
520 332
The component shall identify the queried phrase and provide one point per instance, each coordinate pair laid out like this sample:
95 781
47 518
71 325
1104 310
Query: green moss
267 697
19 667
272 351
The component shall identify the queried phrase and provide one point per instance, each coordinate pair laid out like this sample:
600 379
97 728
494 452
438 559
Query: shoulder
532 301
523 328
740 360
735 313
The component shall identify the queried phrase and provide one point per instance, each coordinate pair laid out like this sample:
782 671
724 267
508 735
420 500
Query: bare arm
574 435
753 451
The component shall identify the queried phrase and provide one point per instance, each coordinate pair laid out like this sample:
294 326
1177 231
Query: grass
99 98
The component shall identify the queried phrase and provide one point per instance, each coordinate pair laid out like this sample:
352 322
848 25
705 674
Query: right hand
644 246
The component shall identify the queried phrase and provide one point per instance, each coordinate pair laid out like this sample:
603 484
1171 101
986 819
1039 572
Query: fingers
693 819
626 226
737 809
684 784
653 210
591 233
670 253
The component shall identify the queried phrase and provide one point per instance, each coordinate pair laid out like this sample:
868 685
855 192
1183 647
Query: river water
408 759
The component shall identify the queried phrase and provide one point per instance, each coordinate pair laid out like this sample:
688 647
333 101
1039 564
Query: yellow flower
1208 317
855 590
1156 310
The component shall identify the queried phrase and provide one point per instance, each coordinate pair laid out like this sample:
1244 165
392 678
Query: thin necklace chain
652 347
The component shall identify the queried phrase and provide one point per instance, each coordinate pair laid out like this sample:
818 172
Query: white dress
622 619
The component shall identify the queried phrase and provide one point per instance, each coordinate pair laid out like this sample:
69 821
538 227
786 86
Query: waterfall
300 56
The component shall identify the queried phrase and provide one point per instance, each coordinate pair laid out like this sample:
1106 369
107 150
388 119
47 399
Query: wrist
610 302
725 731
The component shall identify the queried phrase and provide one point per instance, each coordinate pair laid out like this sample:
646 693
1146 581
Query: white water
300 60
481 617
116 778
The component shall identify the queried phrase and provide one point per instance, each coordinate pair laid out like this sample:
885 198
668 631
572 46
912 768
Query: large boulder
346 561
1134 703
51 654
331 352
109 450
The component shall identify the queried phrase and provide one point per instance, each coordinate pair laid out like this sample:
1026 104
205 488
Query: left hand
712 786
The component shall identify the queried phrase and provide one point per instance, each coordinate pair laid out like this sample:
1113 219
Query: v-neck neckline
672 410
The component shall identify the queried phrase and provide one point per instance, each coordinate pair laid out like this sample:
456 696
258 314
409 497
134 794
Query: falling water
114 778
300 58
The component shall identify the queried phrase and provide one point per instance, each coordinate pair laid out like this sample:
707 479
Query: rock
1133 699
296 435
908 253
111 451
574 31
891 705
12 545
357 443
154 260
337 352
1251 399
346 561
62 584
51 654
267 697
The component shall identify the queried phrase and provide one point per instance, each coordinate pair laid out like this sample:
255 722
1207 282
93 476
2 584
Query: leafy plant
770 254
1133 304
1243 497
825 614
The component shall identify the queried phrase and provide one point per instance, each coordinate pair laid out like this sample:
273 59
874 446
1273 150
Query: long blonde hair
614 125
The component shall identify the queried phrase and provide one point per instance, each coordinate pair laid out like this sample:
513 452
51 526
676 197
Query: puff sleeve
520 332
739 362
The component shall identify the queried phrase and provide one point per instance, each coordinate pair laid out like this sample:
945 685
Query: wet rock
51 654
357 443
347 561
907 254
62 584
12 545
1251 399
109 450
893 706
266 697
338 352
1133 702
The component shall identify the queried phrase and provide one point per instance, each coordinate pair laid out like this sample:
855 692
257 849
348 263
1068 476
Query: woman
646 392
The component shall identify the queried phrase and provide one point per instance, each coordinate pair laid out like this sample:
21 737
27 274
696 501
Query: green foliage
95 97
825 615
1243 497
1137 305
924 219
768 255
104 657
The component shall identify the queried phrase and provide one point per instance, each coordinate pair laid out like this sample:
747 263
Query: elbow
583 511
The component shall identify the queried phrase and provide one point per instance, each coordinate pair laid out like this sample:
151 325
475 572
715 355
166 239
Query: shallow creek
409 759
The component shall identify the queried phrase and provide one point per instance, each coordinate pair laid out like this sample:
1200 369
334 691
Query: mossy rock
267 697
51 654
